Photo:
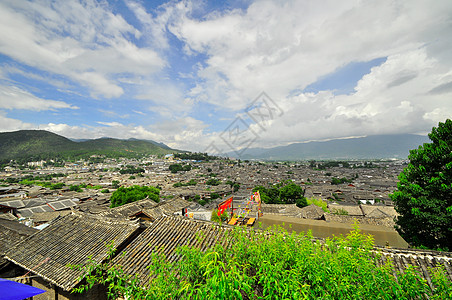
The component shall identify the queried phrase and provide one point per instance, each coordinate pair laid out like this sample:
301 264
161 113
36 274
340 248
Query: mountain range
369 147
26 143
39 143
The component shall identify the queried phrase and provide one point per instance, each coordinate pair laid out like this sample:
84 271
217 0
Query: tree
213 181
134 193
287 194
424 193
291 194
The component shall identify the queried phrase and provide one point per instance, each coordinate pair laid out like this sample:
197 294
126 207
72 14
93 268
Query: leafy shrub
335 180
222 218
274 265
134 193
319 202
213 182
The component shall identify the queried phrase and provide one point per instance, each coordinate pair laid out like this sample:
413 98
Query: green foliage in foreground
222 218
134 193
275 265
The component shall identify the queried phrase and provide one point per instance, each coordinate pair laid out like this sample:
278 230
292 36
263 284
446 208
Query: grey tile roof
27 212
70 240
14 203
48 216
128 209
12 232
422 260
164 236
167 208
8 216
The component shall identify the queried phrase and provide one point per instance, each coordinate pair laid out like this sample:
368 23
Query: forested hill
42 144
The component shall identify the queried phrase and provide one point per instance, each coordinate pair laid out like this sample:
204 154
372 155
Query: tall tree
424 193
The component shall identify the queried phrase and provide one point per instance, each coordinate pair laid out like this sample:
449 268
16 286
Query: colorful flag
224 205
257 197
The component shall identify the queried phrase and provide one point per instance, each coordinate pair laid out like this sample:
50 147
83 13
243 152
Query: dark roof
11 232
70 240
164 236
7 216
48 216
128 209
167 208
422 260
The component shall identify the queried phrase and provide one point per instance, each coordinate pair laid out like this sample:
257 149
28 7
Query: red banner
224 205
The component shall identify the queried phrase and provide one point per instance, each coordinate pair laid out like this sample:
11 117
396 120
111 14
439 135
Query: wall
386 222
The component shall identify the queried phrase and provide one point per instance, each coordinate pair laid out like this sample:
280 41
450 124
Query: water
383 236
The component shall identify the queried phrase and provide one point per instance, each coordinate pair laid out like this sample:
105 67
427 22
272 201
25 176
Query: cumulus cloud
279 47
84 41
282 46
376 106
9 124
12 97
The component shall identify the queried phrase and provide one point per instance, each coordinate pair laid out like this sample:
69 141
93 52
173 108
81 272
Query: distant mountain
153 142
370 147
39 143
162 145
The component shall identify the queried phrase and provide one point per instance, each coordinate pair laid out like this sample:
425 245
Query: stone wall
386 222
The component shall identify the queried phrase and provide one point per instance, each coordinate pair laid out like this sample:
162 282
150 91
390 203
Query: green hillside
41 144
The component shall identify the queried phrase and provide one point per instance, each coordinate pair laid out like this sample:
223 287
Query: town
357 189
42 200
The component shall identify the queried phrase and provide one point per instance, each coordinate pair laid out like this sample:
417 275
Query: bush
134 193
274 265
222 218
319 202
213 182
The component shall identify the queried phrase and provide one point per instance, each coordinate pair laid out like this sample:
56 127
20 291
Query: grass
319 202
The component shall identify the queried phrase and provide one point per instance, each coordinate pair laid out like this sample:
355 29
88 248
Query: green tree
424 193
291 194
134 193
115 184
213 181
174 168
263 192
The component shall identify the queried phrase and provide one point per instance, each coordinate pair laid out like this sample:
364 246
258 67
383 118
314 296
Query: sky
221 76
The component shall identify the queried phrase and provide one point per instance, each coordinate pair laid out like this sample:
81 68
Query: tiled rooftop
70 240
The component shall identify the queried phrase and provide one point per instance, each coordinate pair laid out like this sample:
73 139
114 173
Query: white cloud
12 97
9 124
83 41
282 46
378 106
279 47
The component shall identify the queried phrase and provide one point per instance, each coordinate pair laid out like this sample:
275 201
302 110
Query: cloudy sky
197 75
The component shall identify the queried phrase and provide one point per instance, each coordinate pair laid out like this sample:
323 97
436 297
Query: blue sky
181 72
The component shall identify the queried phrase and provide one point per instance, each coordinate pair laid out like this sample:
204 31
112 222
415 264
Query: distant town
350 189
